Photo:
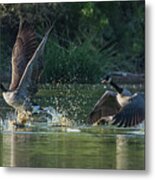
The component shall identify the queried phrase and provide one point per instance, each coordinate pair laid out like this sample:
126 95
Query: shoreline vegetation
88 40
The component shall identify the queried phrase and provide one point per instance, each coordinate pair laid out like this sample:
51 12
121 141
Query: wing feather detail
107 105
23 50
132 113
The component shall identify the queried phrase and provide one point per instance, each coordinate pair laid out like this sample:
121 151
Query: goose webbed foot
16 125
22 118
19 125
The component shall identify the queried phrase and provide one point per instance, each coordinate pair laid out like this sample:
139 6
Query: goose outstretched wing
132 113
26 80
23 50
107 105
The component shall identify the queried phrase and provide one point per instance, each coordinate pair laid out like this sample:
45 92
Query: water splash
47 115
57 118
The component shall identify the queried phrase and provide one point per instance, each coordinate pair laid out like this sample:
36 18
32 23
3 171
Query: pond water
78 146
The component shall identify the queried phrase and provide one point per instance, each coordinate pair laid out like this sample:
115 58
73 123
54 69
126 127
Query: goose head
3 88
107 79
6 94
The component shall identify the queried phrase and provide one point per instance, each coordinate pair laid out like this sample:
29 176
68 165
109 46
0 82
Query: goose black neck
118 89
3 88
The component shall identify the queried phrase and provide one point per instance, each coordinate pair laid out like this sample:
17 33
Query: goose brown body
119 108
27 65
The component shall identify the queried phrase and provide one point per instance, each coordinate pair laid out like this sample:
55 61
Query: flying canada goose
122 108
27 65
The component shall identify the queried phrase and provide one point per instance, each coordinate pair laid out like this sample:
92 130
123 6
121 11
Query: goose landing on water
122 108
27 65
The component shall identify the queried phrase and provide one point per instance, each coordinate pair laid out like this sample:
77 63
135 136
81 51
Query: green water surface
80 146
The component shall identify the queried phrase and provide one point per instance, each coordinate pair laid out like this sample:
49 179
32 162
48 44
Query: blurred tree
88 39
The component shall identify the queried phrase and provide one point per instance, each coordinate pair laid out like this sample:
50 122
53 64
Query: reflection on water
121 152
57 148
77 146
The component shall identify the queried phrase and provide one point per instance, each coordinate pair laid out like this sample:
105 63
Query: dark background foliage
88 40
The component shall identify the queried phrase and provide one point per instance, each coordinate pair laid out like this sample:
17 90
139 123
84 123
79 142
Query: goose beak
103 81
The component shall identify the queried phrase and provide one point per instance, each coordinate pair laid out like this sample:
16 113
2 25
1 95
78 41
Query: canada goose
27 65
122 108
